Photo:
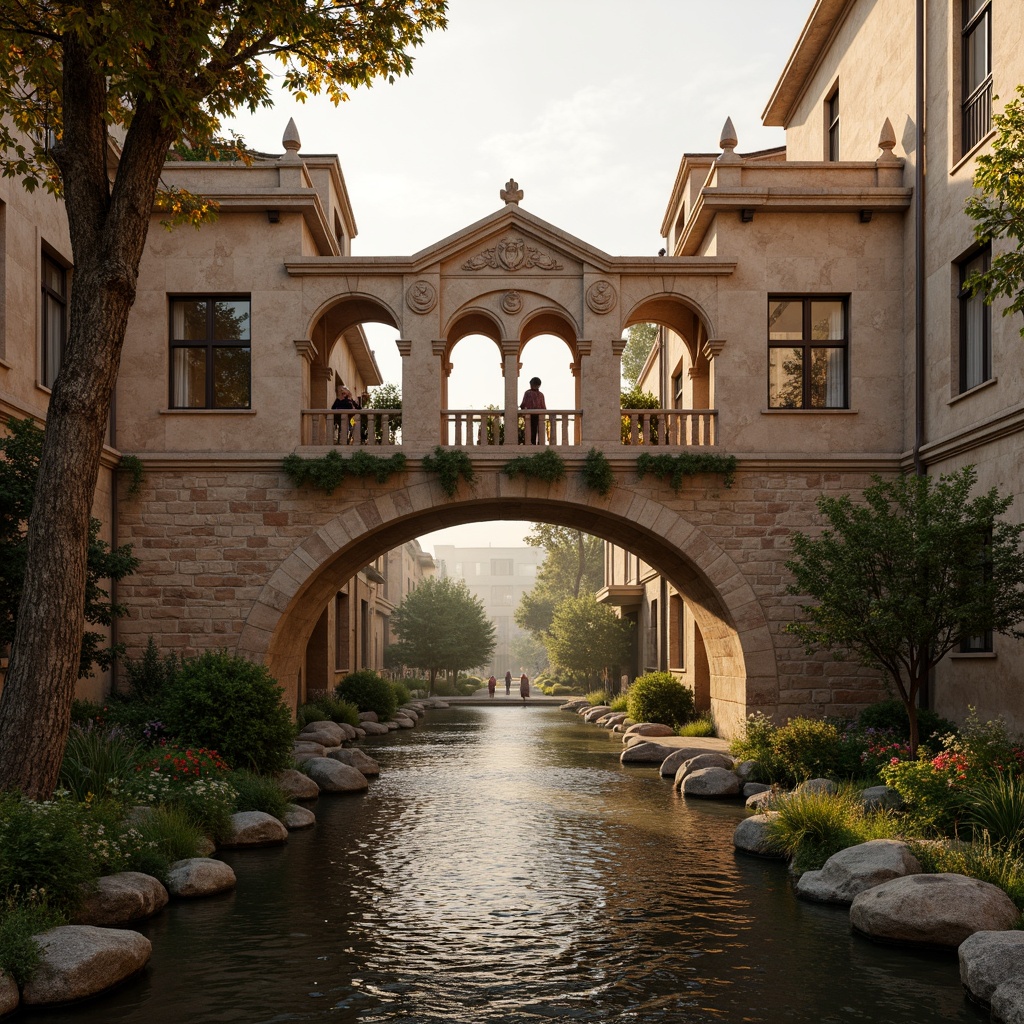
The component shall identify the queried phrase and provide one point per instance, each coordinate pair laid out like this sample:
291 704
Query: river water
506 868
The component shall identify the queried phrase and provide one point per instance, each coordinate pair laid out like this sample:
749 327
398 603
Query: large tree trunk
108 233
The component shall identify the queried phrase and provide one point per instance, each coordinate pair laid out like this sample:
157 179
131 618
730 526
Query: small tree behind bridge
909 575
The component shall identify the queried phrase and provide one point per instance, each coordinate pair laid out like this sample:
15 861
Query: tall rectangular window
976 60
677 389
501 566
832 112
808 353
55 319
210 353
975 326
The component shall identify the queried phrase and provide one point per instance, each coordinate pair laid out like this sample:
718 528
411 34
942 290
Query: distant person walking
524 686
508 683
491 684
534 399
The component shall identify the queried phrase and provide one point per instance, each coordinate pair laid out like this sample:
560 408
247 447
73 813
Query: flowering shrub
882 749
935 789
183 764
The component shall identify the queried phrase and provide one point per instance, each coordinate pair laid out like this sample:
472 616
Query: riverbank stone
753 788
701 760
199 876
881 798
1008 1002
650 729
751 836
297 785
334 777
679 756
296 817
573 705
645 752
375 728
368 716
746 769
595 713
404 723
256 828
79 961
712 783
932 910
327 734
121 899
9 995
850 872
817 786
362 762
763 800
302 751
987 960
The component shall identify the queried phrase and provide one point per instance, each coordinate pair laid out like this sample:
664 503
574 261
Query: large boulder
257 828
850 872
122 898
574 705
881 798
645 752
296 817
1008 1002
9 995
712 783
746 770
678 757
932 910
79 961
404 722
297 785
987 959
357 759
348 731
751 835
595 713
699 761
199 876
374 728
368 716
409 713
327 734
651 729
815 787
763 800
334 777
303 751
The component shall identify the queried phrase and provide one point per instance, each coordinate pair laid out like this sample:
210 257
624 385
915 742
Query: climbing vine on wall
327 472
132 465
597 472
449 465
675 468
547 465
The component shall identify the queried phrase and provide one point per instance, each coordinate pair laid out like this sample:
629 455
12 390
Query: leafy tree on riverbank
916 570
587 637
79 83
442 626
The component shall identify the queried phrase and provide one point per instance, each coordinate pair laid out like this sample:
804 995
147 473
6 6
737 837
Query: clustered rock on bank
890 898
98 952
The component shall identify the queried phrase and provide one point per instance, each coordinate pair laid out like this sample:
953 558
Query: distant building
499 577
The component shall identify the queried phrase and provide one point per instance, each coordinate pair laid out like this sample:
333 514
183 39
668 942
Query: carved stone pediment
512 253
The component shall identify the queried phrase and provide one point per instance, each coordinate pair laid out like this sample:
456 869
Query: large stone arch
736 633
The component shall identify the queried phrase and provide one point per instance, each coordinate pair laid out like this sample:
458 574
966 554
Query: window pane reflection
785 378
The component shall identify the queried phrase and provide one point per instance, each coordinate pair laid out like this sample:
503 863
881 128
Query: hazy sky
588 104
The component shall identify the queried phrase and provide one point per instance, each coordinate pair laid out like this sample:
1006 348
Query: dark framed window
832 110
808 352
55 319
210 352
976 58
975 326
981 644
677 390
980 576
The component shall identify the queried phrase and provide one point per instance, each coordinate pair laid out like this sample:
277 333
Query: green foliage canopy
905 577
441 625
641 340
586 637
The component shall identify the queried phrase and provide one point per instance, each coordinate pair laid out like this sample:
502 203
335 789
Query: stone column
510 370
421 395
600 373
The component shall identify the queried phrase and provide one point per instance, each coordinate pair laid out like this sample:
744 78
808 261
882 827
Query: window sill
973 391
972 152
5 365
808 412
972 655
207 412
40 386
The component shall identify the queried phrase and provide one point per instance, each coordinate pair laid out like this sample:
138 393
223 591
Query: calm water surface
505 868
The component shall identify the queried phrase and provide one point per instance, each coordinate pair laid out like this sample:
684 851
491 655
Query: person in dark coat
508 684
524 686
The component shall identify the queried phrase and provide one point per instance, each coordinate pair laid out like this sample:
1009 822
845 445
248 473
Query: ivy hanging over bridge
674 469
328 471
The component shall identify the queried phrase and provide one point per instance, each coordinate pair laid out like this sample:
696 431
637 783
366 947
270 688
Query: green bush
595 698
934 790
891 716
225 703
369 692
810 748
327 707
85 712
97 763
20 919
401 692
660 697
151 677
619 703
562 690
811 827
703 726
258 793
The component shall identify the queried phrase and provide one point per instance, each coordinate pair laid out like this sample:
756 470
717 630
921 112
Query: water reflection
505 868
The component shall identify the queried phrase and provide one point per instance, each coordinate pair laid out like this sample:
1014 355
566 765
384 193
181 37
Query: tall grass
97 762
997 864
996 809
168 834
703 726
258 793
811 827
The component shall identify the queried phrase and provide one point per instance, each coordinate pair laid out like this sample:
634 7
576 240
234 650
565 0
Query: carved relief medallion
421 297
511 302
601 297
512 254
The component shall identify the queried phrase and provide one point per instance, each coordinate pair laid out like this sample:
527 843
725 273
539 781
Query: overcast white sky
588 104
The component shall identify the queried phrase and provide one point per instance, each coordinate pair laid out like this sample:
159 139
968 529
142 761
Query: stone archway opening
741 666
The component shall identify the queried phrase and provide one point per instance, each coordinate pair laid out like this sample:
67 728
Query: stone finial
887 142
728 141
511 193
290 140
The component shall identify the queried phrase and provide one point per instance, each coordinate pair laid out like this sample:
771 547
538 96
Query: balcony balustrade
679 428
471 428
361 428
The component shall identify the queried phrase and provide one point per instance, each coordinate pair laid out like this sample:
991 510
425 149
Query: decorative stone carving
713 348
511 302
421 297
728 141
512 254
511 194
601 297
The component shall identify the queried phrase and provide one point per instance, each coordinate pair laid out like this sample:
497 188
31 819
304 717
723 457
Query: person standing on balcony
343 424
533 399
